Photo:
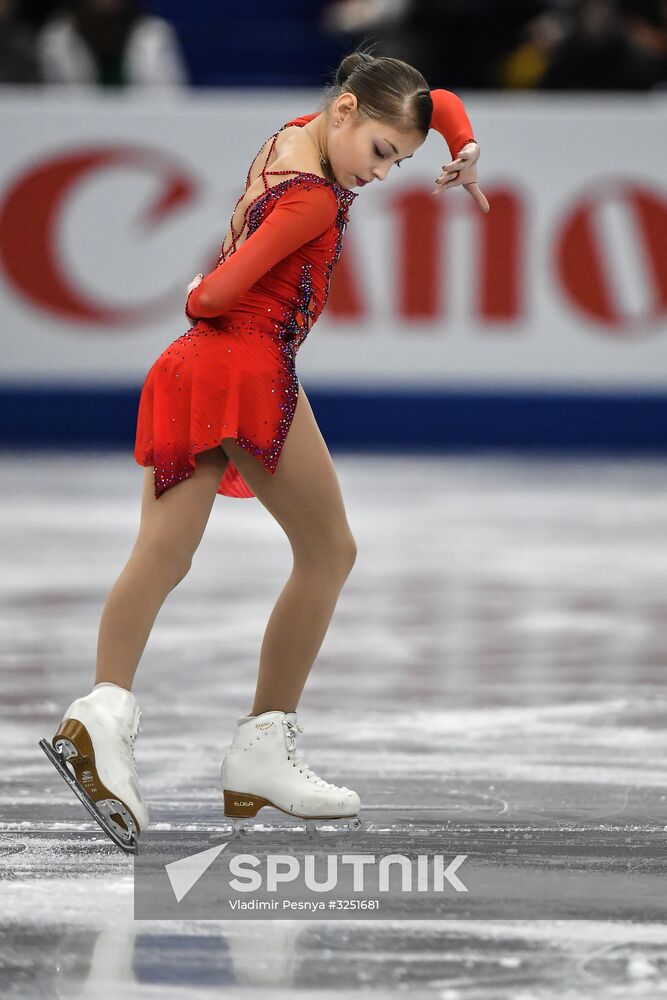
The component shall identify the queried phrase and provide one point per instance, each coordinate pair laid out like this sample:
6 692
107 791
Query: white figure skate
94 752
260 769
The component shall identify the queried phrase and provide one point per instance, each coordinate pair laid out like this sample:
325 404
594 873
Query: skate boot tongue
291 728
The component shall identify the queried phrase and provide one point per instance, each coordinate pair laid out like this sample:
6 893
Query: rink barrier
378 420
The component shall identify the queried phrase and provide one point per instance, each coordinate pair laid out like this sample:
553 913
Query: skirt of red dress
232 379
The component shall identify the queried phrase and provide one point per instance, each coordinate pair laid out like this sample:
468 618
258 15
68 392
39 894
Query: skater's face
364 150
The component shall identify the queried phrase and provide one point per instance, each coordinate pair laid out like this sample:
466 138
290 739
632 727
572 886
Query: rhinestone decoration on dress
233 375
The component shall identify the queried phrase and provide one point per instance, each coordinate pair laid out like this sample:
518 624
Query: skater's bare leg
305 499
170 530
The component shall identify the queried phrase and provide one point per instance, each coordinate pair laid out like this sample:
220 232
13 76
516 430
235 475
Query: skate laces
292 728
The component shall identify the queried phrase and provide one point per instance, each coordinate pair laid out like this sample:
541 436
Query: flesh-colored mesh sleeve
451 121
299 215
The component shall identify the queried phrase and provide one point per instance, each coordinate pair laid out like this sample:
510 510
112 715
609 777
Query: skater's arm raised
299 215
450 119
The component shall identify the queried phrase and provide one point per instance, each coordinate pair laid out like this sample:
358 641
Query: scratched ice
496 657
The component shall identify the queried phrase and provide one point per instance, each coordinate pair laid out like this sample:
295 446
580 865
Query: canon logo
31 215
601 257
611 229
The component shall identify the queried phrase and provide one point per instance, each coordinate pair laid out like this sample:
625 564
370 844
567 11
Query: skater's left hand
197 280
463 172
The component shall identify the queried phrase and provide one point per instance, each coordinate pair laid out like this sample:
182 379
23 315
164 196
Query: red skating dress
233 373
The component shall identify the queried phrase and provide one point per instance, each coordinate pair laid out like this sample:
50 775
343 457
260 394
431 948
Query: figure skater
222 411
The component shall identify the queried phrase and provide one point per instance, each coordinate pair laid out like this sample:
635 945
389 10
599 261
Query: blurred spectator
525 66
458 44
550 44
111 43
645 23
18 58
454 44
596 54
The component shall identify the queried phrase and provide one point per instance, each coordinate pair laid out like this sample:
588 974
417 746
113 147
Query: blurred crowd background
470 44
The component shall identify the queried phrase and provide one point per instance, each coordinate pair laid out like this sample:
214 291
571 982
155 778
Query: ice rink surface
496 659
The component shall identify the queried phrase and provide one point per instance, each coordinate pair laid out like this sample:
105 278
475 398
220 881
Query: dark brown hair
386 89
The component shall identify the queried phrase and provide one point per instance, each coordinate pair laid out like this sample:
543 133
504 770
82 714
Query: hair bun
386 89
350 65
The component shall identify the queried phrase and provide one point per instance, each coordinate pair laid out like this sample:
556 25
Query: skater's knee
179 571
349 552
339 549
333 550
170 560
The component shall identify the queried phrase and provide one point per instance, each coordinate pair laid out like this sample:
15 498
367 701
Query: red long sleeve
451 121
299 215
449 118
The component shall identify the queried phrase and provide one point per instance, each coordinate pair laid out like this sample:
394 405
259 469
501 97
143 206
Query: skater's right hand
462 172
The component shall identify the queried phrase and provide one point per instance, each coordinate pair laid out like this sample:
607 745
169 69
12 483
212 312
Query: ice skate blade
101 811
245 826
352 825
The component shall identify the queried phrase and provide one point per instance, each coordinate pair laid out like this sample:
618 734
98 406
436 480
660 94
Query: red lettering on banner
581 256
28 221
579 266
421 236
502 235
420 284
345 301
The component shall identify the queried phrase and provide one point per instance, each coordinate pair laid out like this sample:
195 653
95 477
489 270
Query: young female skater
222 411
